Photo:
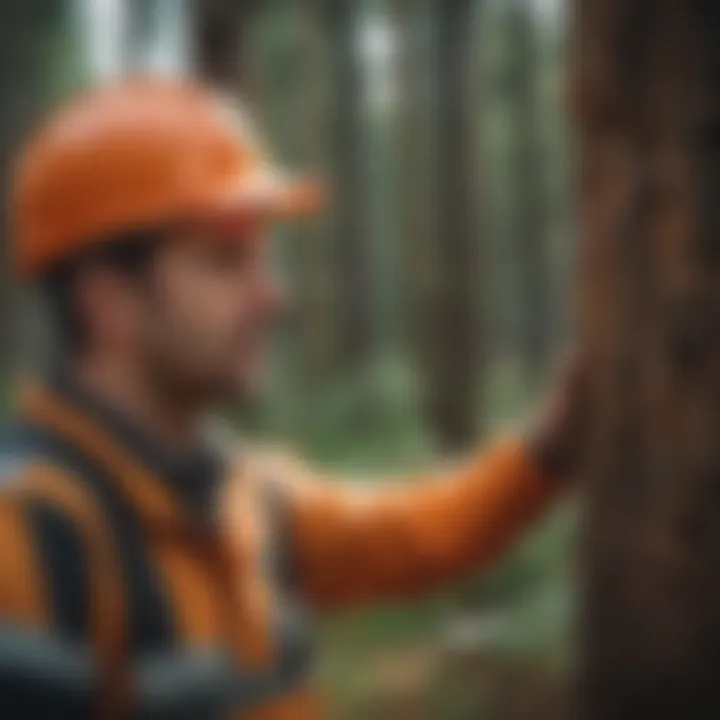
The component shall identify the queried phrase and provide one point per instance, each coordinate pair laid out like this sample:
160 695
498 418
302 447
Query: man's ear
104 302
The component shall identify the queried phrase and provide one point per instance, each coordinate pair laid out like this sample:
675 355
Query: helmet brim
268 194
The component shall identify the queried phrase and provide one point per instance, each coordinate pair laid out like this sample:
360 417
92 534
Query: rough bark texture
646 91
455 317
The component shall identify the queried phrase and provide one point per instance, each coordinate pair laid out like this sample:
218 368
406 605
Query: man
145 572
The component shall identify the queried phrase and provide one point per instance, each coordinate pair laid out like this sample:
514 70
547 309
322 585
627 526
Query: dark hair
129 254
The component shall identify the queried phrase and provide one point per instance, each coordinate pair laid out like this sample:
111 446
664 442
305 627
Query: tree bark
645 94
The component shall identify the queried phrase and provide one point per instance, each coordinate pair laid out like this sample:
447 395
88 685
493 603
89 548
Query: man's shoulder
30 459
31 515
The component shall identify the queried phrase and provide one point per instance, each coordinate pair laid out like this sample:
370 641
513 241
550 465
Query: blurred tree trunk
139 32
312 256
647 98
220 28
293 66
355 331
416 176
454 317
528 227
35 56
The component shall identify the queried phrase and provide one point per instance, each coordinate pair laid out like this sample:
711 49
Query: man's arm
358 545
352 545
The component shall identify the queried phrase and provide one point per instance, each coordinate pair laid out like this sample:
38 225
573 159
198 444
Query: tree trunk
646 91
141 15
312 255
415 130
292 70
35 43
527 222
354 319
220 26
454 320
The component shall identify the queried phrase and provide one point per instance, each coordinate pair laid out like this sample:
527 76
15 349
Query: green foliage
372 418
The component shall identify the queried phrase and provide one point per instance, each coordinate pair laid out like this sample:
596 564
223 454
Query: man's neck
171 418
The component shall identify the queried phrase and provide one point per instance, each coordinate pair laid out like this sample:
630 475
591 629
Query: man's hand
557 435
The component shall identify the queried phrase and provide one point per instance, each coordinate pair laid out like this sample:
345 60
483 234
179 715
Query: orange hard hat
138 154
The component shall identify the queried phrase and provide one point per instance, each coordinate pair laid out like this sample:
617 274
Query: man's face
205 323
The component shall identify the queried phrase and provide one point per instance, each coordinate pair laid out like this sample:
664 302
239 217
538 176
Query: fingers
557 435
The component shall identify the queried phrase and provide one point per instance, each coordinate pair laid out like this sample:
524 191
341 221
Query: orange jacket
343 545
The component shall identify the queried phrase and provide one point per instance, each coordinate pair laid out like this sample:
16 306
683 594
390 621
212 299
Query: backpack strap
149 624
89 603
63 560
129 616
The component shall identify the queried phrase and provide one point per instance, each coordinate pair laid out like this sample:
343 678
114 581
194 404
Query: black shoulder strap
149 620
64 567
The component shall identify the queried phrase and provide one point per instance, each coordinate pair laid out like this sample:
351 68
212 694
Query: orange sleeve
358 545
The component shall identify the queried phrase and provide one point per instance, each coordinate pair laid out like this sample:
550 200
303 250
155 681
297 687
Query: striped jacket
118 598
